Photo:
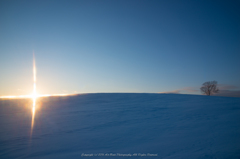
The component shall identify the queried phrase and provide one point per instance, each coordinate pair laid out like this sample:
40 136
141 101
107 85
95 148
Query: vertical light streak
34 78
33 116
34 96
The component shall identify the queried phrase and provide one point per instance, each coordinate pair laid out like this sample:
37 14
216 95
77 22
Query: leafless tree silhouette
209 88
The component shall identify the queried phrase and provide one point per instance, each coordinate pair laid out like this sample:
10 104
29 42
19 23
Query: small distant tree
209 88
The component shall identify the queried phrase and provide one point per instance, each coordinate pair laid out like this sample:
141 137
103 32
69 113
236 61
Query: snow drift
121 125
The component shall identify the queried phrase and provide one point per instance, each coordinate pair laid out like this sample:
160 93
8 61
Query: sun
34 97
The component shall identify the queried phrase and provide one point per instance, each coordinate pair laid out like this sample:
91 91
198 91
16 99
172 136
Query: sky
94 46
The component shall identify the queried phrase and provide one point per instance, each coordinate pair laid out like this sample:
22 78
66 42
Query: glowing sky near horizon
118 46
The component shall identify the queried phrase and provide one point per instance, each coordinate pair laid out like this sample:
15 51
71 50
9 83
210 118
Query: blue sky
119 45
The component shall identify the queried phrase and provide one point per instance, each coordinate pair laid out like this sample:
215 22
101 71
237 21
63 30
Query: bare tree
209 88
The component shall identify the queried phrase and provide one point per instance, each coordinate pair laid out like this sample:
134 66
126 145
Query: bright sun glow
34 96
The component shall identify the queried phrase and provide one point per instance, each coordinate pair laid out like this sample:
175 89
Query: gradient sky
119 45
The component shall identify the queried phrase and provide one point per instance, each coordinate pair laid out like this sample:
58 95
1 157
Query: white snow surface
140 125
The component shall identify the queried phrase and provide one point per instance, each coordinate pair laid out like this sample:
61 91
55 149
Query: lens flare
34 78
33 116
34 95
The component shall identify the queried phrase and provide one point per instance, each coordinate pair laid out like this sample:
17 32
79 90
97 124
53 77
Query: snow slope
111 125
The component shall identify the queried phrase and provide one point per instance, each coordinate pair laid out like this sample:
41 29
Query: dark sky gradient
118 46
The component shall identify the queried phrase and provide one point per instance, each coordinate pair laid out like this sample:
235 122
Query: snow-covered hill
113 125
